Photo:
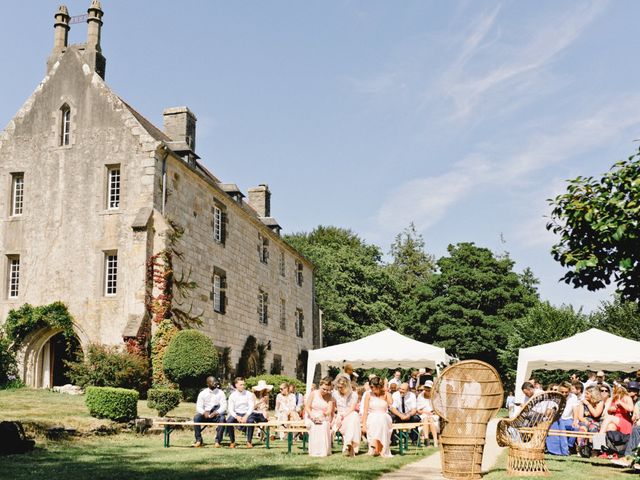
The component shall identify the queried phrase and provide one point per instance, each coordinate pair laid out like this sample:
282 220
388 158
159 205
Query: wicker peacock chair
465 396
526 434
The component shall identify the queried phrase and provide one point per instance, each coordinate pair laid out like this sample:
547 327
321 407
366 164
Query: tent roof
591 348
382 349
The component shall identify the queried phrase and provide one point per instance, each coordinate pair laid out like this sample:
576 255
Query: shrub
108 367
190 358
163 399
8 367
275 380
118 404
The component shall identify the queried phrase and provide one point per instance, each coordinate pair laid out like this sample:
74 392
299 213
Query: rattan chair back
526 434
466 396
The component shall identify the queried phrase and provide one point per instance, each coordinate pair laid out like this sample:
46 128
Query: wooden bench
404 430
563 433
266 426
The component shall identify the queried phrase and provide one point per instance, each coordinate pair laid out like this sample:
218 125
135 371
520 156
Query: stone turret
93 53
61 34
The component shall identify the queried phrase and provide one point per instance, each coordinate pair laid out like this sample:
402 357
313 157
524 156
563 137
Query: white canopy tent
380 350
592 350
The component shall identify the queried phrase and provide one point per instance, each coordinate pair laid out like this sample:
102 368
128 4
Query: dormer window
65 125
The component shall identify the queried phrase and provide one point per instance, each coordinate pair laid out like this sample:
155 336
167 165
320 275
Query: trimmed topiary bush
163 399
118 404
275 380
189 359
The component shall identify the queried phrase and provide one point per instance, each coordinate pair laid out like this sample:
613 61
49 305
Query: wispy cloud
427 200
512 65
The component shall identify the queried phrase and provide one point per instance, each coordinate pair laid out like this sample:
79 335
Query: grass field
47 409
570 468
142 457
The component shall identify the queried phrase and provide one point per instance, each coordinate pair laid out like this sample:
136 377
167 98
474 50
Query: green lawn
570 468
143 457
128 455
45 409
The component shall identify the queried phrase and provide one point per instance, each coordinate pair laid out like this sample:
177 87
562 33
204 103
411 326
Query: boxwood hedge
118 404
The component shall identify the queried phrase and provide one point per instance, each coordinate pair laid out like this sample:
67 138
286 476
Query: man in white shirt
210 408
396 379
404 408
560 445
240 407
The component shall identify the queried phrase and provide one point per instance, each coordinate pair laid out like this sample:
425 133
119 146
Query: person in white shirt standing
397 378
240 407
210 408
404 409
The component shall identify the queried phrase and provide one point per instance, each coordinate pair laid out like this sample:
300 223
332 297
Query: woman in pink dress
376 422
347 420
319 413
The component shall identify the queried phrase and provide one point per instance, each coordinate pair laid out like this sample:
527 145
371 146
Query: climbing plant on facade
28 319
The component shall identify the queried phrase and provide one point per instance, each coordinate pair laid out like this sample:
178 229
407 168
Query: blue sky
463 117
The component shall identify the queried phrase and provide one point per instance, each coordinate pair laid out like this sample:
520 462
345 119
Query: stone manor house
88 191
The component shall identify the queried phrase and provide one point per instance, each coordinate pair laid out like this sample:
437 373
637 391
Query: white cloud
512 65
427 200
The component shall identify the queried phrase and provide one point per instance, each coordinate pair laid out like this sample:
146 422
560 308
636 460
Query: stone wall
190 202
66 227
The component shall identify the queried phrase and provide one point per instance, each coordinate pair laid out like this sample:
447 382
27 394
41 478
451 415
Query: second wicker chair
526 434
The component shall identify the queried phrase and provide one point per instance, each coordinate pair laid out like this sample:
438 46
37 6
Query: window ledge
111 212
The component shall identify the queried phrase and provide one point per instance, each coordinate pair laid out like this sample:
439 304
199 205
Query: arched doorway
55 353
43 358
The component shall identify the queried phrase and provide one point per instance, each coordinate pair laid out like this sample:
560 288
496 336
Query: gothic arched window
65 125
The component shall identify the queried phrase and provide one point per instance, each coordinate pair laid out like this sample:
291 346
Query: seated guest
241 404
413 380
347 420
529 391
360 405
319 413
299 399
347 373
376 422
211 406
634 439
424 408
620 409
397 378
557 445
403 408
286 408
589 411
393 388
510 404
600 381
260 412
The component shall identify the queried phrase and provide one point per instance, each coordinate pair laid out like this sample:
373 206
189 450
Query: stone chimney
179 124
260 200
60 35
93 53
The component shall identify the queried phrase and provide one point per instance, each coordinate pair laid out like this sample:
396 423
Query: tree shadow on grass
135 461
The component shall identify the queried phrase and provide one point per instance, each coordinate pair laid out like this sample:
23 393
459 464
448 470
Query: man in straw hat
210 408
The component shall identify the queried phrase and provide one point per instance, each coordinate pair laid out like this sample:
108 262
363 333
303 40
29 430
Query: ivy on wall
28 319
163 308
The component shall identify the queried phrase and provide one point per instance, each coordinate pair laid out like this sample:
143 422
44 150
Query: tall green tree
599 228
410 262
543 323
355 291
469 306
411 267
618 317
